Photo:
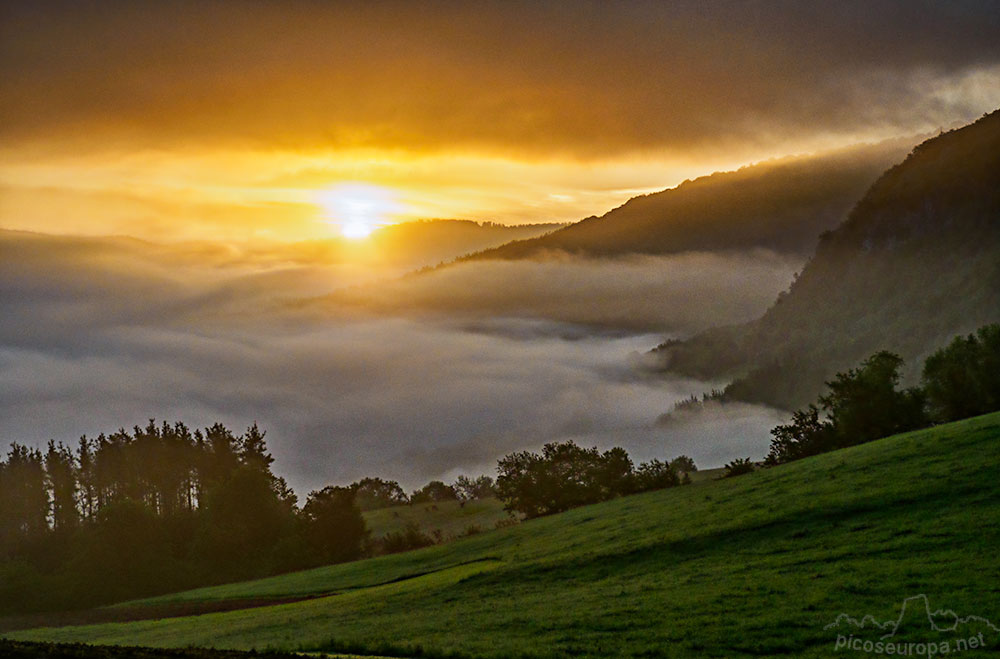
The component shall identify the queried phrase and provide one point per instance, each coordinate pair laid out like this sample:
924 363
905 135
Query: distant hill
781 205
407 245
433 241
418 243
916 262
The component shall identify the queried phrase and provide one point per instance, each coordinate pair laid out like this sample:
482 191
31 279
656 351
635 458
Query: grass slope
750 566
448 518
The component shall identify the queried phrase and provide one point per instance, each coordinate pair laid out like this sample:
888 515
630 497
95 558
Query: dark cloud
587 78
99 333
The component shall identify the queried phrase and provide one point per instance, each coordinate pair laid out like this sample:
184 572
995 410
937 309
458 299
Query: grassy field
750 566
447 519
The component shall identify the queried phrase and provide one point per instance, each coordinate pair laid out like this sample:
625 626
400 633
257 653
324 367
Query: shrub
411 537
565 476
738 467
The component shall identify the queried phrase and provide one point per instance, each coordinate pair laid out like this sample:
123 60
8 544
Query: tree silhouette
336 528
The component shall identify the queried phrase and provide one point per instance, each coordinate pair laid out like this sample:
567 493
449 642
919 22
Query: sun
358 208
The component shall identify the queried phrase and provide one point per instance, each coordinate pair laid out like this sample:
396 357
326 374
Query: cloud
680 293
104 333
587 79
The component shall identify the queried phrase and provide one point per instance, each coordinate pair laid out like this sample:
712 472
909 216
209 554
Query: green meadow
444 519
750 566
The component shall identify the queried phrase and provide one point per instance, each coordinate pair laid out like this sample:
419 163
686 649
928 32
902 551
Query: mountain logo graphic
915 615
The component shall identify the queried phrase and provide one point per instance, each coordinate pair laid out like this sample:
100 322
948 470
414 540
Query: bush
655 475
411 537
738 467
565 475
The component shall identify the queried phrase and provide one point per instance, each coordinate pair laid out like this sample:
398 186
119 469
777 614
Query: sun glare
358 209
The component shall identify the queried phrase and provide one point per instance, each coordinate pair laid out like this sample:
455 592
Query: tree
562 477
469 489
336 528
25 496
243 522
252 449
434 491
375 493
85 478
806 435
519 483
614 474
683 464
60 473
221 455
126 540
863 403
963 378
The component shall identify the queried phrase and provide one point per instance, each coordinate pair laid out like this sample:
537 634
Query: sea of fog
97 337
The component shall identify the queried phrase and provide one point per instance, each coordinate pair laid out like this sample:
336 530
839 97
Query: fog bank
484 360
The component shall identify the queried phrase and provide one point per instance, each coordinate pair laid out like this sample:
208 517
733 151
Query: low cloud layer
99 336
678 294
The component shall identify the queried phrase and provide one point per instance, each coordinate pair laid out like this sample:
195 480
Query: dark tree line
160 508
376 493
865 403
565 476
163 507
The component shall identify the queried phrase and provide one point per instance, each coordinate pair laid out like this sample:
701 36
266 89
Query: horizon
177 129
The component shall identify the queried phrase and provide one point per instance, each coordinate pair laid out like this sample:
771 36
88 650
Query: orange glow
244 194
358 209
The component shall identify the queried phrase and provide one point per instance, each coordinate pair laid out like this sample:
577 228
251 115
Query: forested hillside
781 205
916 262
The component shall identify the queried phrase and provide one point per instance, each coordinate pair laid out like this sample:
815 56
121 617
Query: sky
300 120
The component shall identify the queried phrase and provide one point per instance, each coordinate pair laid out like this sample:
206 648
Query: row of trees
156 509
375 493
865 403
164 507
167 468
565 475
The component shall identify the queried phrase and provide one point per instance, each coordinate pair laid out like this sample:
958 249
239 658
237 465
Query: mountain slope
916 262
780 205
429 242
751 566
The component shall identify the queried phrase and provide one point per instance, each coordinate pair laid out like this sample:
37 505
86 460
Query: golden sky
239 121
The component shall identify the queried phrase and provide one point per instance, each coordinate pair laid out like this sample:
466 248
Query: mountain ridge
916 262
780 204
